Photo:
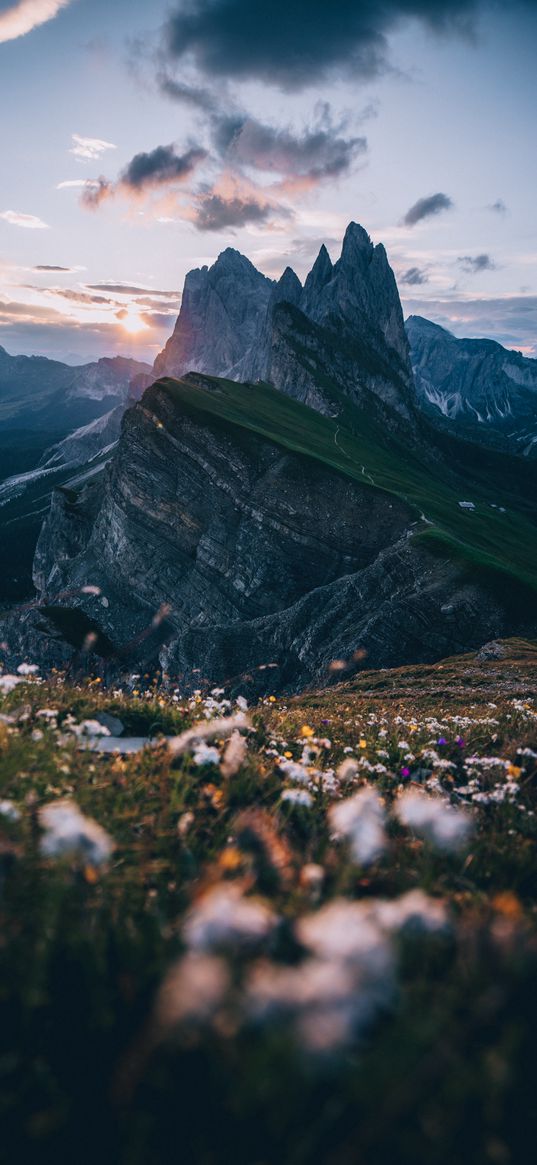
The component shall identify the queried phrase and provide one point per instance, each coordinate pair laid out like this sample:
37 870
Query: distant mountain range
298 488
482 390
53 419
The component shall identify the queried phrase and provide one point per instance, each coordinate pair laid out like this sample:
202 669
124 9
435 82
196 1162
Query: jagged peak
288 287
414 322
233 260
289 276
321 271
355 237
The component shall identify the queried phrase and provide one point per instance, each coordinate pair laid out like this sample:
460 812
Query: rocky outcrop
222 312
475 388
273 565
236 323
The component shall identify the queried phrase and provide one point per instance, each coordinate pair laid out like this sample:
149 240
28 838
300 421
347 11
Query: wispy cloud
414 276
88 149
130 289
427 207
22 17
473 264
77 183
30 221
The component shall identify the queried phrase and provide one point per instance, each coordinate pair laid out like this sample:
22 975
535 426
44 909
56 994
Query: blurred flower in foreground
434 818
68 833
361 819
224 917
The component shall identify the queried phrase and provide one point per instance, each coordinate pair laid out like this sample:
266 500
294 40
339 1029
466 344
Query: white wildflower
224 917
234 756
192 991
347 770
8 683
204 754
68 833
361 819
9 810
223 727
297 797
414 910
27 669
434 818
91 728
342 931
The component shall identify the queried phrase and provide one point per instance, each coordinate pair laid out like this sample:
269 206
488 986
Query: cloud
194 95
131 289
30 221
297 45
320 152
52 267
81 297
160 167
82 183
426 207
146 171
476 263
414 276
499 206
89 149
214 212
96 192
22 17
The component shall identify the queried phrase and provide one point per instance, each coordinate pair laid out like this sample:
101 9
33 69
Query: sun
133 323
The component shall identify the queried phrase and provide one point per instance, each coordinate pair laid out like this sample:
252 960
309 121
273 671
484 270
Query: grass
444 1069
484 538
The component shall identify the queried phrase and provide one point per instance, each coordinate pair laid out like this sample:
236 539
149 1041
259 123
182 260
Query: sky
139 140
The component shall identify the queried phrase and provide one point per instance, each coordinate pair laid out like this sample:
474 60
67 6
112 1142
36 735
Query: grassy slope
485 537
445 1075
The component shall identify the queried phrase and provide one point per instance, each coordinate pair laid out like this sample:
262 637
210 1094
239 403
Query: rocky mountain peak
288 288
225 326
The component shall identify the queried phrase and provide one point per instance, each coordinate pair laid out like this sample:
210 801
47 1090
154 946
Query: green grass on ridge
484 538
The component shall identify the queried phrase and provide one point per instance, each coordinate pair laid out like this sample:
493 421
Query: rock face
273 564
347 318
482 390
222 311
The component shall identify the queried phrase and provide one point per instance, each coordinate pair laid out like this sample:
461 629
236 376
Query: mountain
340 335
484 391
286 525
37 394
53 418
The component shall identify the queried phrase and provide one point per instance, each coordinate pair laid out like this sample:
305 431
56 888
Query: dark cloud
194 95
51 267
160 166
296 43
473 264
131 289
426 207
499 206
320 151
215 211
414 276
